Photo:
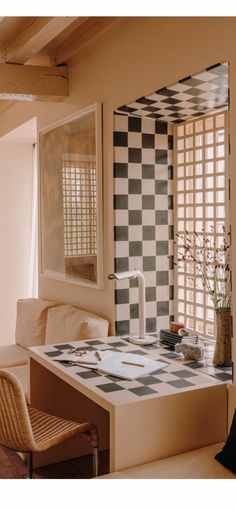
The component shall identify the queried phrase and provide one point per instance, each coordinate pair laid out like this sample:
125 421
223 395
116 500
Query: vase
222 354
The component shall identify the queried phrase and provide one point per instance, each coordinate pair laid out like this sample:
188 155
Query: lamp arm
142 339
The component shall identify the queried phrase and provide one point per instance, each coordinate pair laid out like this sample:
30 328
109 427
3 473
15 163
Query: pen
135 364
98 355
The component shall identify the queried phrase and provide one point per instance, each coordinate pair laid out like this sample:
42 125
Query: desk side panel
157 428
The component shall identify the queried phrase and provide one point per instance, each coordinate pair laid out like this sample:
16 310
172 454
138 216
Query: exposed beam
93 31
35 37
66 35
28 83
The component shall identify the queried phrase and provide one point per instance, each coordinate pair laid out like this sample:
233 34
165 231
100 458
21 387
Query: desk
166 413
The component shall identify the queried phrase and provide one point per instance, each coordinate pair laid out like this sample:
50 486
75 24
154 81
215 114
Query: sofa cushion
67 322
31 321
12 355
94 327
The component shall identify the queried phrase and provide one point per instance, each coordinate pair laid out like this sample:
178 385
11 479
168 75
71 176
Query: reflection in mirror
71 174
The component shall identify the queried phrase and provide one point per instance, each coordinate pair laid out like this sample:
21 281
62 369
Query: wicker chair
26 429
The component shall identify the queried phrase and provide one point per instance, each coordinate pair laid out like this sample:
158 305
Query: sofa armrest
31 321
12 355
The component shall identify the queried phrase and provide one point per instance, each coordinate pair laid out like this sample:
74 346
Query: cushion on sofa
66 322
31 321
12 355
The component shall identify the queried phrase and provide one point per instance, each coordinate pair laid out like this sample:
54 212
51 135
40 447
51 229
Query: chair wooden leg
30 464
95 461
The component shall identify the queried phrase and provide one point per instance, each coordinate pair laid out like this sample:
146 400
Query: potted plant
212 264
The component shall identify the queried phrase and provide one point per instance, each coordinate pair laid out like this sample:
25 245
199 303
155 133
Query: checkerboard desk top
175 377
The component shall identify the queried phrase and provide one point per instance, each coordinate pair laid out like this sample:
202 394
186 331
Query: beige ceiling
50 41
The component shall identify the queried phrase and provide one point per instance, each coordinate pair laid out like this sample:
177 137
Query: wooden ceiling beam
93 31
33 83
35 37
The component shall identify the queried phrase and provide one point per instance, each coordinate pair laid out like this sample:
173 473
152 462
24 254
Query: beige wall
145 55
15 227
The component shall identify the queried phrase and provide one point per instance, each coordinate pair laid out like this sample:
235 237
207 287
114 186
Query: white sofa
40 322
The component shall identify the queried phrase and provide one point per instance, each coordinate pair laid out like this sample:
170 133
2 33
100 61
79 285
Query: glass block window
201 206
79 208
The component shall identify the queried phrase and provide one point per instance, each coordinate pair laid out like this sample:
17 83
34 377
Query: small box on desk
169 337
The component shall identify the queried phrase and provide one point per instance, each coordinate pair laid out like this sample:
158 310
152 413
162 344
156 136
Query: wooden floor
11 466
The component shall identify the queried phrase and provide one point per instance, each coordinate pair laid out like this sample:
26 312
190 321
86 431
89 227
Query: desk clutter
192 351
169 337
127 366
183 342
172 378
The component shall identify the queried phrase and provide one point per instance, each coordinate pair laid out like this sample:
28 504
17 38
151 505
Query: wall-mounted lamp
142 339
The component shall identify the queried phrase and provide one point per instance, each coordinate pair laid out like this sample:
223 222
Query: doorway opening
18 220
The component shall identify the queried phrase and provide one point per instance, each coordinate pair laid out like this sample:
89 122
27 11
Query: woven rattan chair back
15 426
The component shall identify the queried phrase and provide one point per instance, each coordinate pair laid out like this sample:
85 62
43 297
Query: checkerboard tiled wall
143 208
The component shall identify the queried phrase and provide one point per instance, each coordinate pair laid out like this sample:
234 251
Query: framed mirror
70 162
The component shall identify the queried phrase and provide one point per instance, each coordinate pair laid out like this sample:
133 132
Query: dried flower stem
212 265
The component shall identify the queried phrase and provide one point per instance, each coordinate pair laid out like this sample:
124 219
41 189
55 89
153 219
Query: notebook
128 366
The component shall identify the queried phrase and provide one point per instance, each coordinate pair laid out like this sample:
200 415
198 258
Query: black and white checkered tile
174 377
143 200
192 96
143 204
205 365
